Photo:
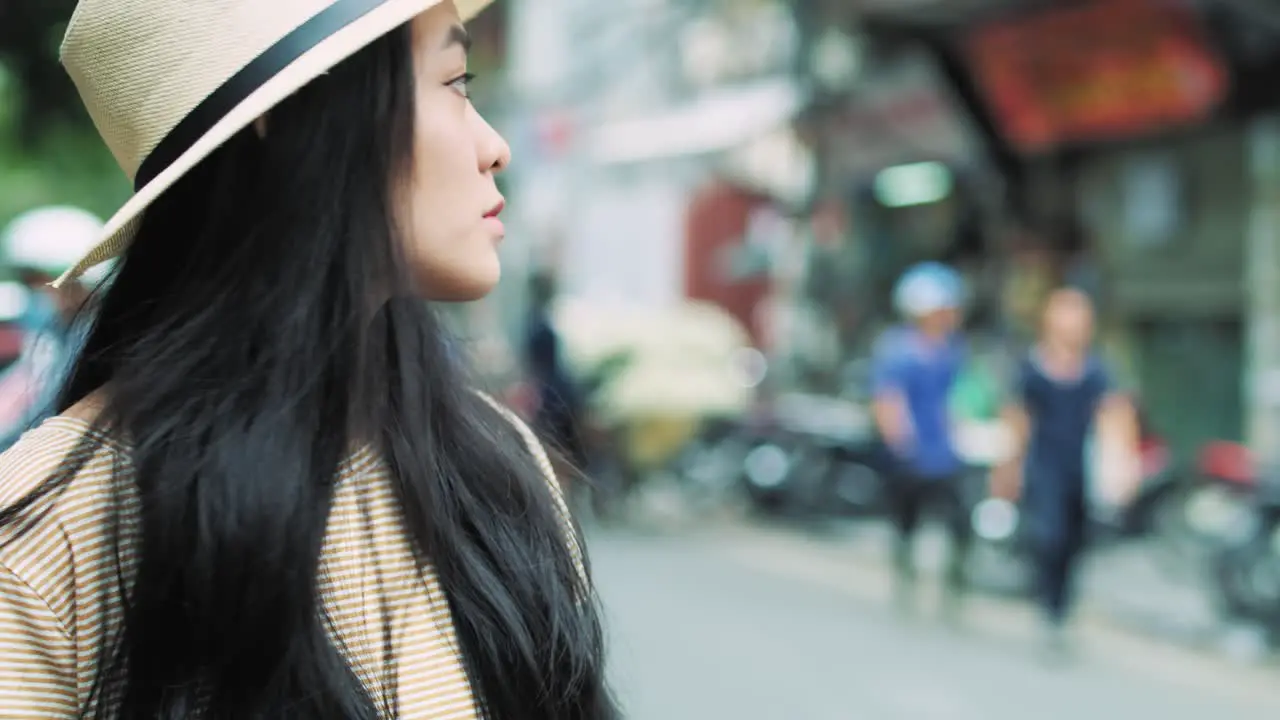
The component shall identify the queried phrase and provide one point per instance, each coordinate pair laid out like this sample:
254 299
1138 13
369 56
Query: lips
496 209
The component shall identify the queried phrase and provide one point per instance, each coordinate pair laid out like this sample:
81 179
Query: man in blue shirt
915 367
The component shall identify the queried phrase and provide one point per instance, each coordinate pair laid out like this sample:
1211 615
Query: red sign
1105 70
716 222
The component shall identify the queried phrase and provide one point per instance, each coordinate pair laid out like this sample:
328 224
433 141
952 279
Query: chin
468 286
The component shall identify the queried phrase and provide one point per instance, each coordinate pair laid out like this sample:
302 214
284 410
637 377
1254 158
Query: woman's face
452 200
1068 319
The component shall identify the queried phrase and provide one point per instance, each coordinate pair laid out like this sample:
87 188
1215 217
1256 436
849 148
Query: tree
30 32
49 150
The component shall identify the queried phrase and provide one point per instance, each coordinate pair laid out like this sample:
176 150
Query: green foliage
49 150
30 33
67 165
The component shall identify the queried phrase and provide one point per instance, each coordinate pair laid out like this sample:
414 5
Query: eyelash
461 83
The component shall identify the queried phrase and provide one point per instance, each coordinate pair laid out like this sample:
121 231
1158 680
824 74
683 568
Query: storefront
1139 185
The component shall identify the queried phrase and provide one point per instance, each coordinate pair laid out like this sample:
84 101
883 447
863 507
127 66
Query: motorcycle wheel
1190 522
854 489
707 471
1248 582
766 469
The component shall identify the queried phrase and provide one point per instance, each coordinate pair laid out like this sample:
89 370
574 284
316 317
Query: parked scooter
817 458
709 467
610 478
771 453
1247 567
1197 512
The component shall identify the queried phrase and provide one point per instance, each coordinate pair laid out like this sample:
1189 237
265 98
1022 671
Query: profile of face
939 322
1068 319
451 199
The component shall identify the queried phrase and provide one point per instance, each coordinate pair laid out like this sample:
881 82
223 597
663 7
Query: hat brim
121 228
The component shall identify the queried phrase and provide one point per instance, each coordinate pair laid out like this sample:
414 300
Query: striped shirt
60 600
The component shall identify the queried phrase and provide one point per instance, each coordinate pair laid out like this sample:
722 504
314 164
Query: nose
494 152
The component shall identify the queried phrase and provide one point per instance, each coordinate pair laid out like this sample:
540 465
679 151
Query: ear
260 126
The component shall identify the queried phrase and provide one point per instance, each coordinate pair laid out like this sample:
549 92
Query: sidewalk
1123 585
803 558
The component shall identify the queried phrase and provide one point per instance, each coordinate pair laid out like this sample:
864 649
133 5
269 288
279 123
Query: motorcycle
771 452
817 458
708 467
1196 512
609 478
1247 566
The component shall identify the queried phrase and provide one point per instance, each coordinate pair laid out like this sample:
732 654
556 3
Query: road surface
740 624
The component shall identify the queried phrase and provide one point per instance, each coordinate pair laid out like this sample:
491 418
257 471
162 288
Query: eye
462 84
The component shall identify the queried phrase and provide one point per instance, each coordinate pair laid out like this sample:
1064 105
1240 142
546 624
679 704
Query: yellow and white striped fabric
59 595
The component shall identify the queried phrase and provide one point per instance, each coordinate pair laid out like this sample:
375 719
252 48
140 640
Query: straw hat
169 81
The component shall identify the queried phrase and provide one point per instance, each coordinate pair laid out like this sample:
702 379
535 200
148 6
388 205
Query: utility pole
1262 284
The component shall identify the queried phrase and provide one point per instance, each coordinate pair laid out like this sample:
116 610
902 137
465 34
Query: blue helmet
927 288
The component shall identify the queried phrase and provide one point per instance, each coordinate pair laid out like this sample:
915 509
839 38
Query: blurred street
755 624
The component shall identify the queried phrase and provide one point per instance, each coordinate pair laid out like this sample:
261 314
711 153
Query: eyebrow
457 36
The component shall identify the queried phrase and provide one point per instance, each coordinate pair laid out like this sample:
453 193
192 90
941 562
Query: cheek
445 175
451 258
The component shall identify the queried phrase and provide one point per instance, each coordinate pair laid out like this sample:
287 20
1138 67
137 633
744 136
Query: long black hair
246 345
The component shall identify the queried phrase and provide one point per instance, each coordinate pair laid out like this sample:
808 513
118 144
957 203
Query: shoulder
958 349
547 470
59 445
1099 373
1028 371
893 346
530 439
48 535
892 339
1028 363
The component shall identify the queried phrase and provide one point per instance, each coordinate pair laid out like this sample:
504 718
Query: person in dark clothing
558 404
1061 389
916 366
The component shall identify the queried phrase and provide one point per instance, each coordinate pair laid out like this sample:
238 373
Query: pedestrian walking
1062 388
915 369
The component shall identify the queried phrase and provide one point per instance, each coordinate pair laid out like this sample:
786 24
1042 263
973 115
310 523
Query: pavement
755 623
1133 586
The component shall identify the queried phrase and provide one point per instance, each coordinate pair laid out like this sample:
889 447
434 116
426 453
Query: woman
267 495
1063 390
